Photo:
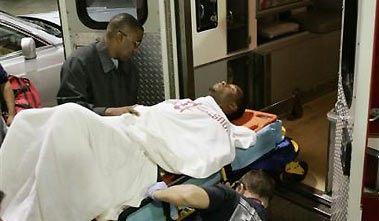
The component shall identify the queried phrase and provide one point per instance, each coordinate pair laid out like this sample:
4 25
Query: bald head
123 37
123 22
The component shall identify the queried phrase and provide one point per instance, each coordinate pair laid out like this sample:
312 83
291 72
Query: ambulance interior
292 72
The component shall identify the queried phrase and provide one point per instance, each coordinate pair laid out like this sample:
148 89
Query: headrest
255 120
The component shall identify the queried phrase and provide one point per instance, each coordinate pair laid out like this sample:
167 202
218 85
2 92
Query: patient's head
230 98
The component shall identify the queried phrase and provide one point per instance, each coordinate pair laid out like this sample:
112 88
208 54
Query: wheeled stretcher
269 133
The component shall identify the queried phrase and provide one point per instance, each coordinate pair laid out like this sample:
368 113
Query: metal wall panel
149 63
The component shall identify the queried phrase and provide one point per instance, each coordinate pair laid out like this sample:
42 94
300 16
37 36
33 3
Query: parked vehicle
32 48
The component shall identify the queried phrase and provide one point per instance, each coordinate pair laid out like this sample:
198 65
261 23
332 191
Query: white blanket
190 137
67 163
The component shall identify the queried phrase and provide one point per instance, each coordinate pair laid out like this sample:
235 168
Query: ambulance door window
96 13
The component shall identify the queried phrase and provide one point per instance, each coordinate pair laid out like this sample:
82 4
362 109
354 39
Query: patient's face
225 93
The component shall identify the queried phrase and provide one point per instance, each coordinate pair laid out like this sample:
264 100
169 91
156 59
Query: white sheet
67 163
198 138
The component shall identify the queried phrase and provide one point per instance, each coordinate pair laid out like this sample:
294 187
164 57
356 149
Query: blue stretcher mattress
267 138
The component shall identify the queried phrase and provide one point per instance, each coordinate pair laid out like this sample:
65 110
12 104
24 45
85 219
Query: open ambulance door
370 187
355 182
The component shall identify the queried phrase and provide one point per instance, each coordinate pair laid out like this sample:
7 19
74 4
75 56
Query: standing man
101 76
8 96
249 202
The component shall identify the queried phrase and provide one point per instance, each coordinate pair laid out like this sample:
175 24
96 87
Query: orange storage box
255 120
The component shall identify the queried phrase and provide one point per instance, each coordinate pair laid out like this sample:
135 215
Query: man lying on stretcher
68 163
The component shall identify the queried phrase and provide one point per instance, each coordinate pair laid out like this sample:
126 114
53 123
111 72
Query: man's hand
9 120
117 111
156 187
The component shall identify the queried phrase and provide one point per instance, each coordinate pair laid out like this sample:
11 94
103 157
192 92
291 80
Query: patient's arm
8 96
183 195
